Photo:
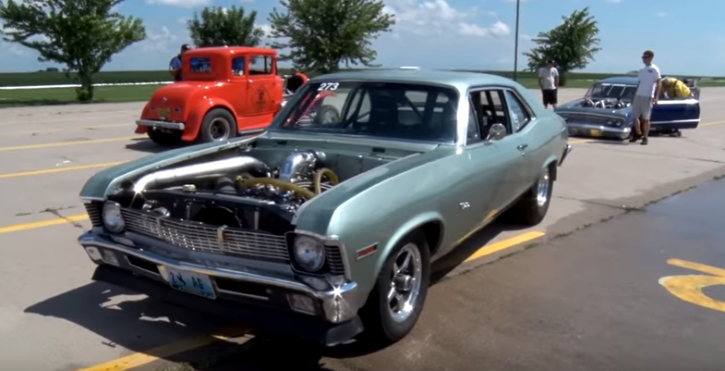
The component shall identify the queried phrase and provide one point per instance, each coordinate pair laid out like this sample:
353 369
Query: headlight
308 253
112 219
617 123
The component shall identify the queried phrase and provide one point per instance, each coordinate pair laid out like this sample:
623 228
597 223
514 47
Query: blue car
605 111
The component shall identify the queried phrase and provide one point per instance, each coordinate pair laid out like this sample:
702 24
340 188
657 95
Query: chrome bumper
161 124
339 303
593 130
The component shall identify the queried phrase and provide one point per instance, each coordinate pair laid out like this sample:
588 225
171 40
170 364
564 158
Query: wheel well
433 232
220 107
553 169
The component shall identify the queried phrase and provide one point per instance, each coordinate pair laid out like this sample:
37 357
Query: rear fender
139 128
197 114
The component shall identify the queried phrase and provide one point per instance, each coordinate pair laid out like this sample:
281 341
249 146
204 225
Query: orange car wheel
219 125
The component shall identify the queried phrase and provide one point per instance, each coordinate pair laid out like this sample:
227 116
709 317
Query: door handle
522 147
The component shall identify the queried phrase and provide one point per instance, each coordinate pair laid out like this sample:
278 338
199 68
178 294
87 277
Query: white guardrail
78 85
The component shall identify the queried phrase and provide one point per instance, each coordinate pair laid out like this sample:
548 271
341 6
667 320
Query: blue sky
464 33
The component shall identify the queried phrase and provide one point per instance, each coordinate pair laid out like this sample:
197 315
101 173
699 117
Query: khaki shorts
642 107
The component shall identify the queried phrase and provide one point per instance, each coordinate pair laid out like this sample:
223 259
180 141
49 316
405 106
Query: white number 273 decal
329 86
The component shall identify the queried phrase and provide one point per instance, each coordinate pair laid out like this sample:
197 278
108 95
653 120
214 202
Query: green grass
55 96
59 78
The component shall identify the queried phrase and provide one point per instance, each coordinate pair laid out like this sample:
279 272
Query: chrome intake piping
296 165
204 170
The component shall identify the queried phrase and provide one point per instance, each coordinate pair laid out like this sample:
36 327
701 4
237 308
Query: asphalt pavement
52 317
600 299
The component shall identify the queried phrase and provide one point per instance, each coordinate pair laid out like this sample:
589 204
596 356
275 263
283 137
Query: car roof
232 50
626 80
443 77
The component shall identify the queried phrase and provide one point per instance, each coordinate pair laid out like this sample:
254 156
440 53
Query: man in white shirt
548 82
648 91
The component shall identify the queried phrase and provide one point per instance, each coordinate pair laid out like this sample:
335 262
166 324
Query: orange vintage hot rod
225 91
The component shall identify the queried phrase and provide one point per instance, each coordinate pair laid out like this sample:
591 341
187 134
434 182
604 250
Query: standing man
175 64
648 91
549 81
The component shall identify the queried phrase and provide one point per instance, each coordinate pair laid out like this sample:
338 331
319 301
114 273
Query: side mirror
496 132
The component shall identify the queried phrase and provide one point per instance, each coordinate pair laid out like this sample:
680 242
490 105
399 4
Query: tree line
319 35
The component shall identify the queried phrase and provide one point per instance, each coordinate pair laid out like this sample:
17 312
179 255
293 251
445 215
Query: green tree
322 34
81 34
572 44
220 26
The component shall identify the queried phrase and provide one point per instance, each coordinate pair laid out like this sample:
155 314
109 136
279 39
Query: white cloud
181 3
613 1
662 14
246 1
438 17
159 41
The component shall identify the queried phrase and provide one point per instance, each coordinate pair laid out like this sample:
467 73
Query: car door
262 83
533 140
495 163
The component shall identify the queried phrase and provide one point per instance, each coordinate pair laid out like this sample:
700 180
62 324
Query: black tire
530 209
218 125
327 115
165 138
381 328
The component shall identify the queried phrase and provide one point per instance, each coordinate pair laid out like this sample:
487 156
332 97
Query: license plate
164 112
193 283
595 132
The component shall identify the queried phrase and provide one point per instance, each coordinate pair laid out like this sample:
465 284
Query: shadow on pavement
144 325
147 145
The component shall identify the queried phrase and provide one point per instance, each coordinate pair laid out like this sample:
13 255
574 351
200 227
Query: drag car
226 92
605 110
327 229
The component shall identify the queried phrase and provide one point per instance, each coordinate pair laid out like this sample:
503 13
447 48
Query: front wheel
395 304
532 207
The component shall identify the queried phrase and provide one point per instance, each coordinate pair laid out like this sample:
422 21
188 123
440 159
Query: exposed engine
605 103
238 192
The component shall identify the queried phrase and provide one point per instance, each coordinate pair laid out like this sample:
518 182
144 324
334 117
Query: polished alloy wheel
405 283
542 188
219 129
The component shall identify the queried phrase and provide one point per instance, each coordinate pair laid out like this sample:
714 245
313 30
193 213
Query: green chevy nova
326 225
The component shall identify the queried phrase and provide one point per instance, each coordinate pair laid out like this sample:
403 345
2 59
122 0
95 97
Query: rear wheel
218 125
327 114
165 138
533 205
395 304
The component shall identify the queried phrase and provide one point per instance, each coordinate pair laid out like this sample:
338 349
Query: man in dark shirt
175 64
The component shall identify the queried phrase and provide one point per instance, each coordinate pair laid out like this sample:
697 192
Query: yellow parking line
59 170
505 244
44 223
165 351
713 123
70 128
65 144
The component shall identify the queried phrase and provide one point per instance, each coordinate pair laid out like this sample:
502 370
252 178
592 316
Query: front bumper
593 130
251 296
161 124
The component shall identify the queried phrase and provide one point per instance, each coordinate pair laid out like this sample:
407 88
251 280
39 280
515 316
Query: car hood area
595 107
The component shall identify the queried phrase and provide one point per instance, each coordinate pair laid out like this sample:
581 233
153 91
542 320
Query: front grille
334 260
590 119
94 213
201 237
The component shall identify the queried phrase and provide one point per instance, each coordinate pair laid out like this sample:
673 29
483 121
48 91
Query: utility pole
516 42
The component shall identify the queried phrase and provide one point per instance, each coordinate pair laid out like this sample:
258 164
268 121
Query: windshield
618 91
381 109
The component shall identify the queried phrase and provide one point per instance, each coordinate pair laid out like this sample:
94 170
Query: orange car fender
196 115
143 129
